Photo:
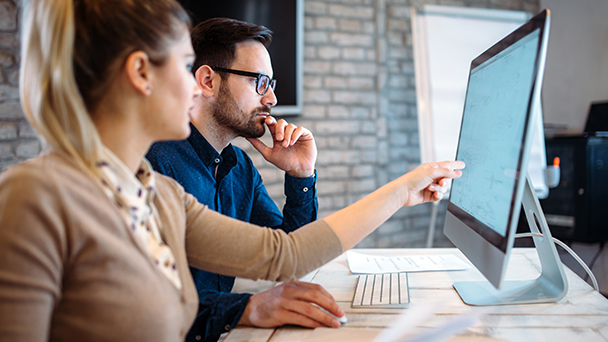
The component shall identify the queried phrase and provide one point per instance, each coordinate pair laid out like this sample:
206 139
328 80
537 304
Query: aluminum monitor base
550 286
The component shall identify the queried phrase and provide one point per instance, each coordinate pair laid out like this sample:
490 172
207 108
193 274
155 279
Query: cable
572 253
594 259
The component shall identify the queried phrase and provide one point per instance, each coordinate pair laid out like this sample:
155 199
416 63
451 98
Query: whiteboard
446 39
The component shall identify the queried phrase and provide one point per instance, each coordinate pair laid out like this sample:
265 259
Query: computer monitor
597 120
495 142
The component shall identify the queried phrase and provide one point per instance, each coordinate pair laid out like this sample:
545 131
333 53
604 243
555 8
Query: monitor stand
550 286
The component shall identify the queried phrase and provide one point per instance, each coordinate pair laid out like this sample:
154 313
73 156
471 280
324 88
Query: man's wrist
302 174
244 320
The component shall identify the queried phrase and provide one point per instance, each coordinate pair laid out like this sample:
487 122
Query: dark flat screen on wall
284 18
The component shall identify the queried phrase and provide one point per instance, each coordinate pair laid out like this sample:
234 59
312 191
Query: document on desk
370 264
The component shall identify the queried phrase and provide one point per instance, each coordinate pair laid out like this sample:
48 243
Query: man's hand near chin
293 151
292 303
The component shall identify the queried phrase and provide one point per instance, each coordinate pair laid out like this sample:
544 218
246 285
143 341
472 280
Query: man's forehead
252 54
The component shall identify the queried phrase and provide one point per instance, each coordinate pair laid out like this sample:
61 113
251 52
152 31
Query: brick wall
18 141
359 101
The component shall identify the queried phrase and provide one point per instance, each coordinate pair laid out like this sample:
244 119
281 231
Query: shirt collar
206 152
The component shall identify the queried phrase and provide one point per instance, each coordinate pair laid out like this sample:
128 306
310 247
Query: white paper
370 264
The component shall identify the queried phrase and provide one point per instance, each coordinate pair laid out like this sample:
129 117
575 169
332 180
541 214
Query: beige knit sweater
70 269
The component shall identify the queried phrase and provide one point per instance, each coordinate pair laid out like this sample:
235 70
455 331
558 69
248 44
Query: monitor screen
495 115
495 142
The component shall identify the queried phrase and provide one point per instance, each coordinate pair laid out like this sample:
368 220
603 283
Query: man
233 69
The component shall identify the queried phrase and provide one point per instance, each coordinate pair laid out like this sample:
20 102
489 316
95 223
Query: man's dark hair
214 40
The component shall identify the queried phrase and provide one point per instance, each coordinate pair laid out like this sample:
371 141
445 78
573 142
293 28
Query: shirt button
305 189
227 327
198 337
217 160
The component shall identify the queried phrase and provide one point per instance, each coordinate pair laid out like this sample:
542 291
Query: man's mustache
263 109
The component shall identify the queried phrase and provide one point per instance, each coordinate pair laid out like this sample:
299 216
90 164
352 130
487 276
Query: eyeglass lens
264 83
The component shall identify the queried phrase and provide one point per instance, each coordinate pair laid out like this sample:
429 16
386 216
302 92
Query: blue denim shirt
238 192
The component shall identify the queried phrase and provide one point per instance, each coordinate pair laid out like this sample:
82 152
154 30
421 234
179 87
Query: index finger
279 129
316 294
312 286
271 122
451 164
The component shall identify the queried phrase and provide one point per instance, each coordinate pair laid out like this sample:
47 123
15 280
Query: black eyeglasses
262 81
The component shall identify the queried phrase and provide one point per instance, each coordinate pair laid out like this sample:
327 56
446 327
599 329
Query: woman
93 244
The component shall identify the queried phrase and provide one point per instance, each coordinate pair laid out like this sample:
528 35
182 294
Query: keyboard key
404 295
387 290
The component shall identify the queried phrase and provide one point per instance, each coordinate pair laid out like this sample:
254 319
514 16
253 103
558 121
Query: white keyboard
385 290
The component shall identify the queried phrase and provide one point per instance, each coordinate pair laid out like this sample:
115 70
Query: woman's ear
208 80
139 73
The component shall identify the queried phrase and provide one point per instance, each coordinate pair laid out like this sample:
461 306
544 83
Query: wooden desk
581 316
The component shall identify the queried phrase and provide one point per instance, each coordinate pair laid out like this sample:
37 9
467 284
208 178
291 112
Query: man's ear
208 80
139 73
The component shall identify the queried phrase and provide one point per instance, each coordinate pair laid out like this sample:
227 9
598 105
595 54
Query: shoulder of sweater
50 167
167 183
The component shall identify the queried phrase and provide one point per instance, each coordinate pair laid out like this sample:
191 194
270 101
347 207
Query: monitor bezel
501 242
484 247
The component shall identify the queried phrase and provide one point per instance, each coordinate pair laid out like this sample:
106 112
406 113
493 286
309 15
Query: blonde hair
49 93
71 52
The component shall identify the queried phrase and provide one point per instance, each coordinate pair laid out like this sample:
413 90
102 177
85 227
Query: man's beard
227 114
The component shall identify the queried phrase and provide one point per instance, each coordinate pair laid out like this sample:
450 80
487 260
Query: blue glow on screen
492 130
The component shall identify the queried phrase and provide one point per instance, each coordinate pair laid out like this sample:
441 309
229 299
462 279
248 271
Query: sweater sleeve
220 244
32 248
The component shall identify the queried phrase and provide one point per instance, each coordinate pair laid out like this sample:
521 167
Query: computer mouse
342 319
